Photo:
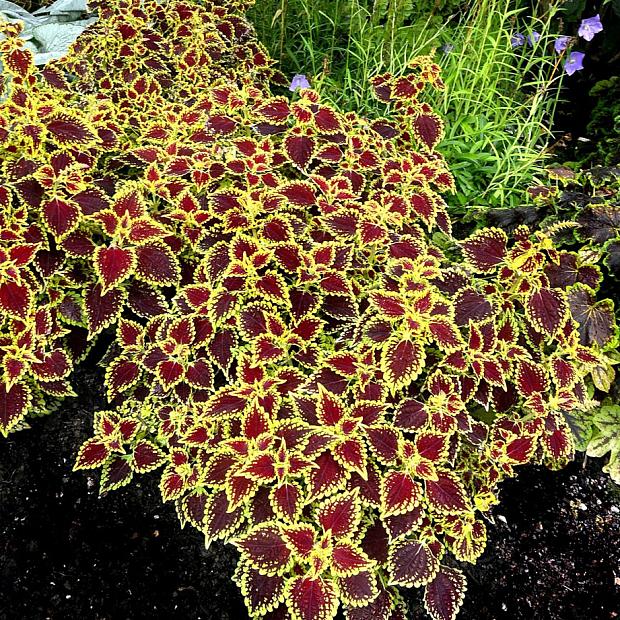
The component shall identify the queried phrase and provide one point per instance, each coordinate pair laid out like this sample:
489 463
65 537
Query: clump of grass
498 103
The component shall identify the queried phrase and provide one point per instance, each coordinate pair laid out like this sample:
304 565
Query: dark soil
65 553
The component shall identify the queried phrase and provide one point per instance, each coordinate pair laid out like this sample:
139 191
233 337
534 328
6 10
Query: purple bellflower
517 40
589 27
299 81
561 43
533 38
574 62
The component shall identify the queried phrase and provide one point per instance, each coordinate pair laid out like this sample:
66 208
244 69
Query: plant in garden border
590 200
321 383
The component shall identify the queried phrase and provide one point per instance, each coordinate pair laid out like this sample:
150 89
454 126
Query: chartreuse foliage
317 382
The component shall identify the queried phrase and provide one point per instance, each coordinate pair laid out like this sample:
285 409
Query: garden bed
552 553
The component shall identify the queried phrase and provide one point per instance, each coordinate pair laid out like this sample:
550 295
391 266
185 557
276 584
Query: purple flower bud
589 27
517 40
533 38
299 81
561 43
574 62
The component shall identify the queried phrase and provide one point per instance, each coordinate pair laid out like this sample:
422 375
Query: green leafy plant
606 438
323 376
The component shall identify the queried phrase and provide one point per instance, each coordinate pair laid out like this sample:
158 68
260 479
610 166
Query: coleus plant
317 380
584 208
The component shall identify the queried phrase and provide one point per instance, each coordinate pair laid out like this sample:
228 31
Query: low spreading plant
587 205
319 381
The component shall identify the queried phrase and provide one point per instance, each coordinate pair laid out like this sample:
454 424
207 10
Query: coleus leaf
117 472
261 593
368 487
485 249
113 265
399 493
16 299
599 223
19 61
299 194
595 318
147 457
557 439
411 564
340 514
145 300
93 453
68 129
384 443
286 501
531 378
102 309
61 216
219 521
447 494
225 402
169 373
272 286
378 608
358 590
311 599
612 261
348 560
301 539
157 264
520 449
261 468
402 361
432 446
569 270
351 453
193 507
547 310
276 110
390 305
469 541
423 204
54 365
299 149
471 305
199 374
444 595
428 129
264 549
327 477
222 348
330 408
326 120
14 404
171 484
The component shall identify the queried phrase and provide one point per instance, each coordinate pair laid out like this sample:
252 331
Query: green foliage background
499 102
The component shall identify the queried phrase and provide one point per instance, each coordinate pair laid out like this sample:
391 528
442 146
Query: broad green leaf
607 439
55 39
